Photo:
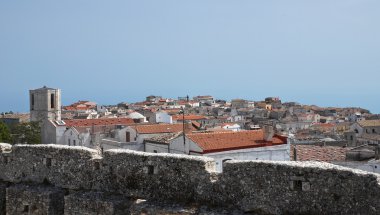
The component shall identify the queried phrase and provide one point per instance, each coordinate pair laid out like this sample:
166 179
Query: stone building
239 103
364 132
45 108
45 104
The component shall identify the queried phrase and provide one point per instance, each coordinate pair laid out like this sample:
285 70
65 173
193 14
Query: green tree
27 133
5 136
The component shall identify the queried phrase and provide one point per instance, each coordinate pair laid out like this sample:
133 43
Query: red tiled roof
71 108
182 102
188 117
369 123
224 141
93 122
172 111
325 125
319 153
163 128
80 105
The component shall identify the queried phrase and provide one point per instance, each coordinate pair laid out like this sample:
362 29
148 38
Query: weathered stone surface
96 203
4 147
299 188
164 176
258 187
161 208
3 187
63 166
27 199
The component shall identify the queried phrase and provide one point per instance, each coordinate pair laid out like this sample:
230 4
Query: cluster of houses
224 130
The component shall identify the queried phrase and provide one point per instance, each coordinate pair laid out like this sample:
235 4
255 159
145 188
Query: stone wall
3 187
27 199
96 203
51 179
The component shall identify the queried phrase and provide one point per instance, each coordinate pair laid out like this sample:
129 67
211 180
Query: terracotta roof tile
189 117
172 111
93 122
70 108
319 153
369 123
224 141
163 138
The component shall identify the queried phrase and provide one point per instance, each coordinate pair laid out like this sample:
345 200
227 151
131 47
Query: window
96 165
352 137
296 185
69 142
150 170
74 142
373 131
32 101
155 151
48 162
6 160
52 100
127 136
26 209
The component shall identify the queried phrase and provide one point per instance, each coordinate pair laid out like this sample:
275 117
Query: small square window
48 162
150 170
26 209
296 185
96 165
6 160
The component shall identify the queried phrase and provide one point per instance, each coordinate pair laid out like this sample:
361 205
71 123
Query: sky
318 52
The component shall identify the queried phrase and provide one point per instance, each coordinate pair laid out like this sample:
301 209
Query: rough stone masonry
51 179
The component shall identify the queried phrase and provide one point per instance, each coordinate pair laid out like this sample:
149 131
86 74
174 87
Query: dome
135 115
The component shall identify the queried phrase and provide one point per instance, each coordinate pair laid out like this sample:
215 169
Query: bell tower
45 104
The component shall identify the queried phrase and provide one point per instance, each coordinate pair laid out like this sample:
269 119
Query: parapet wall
262 187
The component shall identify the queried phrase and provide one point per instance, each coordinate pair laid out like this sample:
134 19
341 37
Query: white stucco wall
158 148
133 134
107 144
176 146
141 137
276 153
234 127
163 117
76 138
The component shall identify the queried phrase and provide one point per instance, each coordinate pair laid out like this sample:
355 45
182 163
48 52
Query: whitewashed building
223 146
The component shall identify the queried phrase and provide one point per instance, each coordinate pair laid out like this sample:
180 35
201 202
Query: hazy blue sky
320 52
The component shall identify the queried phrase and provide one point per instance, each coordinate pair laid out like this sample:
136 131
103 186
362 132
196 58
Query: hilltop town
205 126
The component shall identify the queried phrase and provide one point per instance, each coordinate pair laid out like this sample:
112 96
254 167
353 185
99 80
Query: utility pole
183 128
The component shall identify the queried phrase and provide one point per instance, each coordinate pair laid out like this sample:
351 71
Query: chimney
268 133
